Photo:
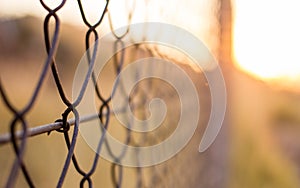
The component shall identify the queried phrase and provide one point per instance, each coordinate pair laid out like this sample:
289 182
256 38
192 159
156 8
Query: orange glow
267 38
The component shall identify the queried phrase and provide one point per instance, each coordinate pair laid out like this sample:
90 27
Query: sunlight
266 38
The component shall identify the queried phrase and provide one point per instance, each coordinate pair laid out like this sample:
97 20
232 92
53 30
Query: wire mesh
173 173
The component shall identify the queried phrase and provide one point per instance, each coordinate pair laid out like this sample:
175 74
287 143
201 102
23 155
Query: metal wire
62 125
18 139
129 19
20 115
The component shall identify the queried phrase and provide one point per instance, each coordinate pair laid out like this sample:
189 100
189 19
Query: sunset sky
266 33
266 37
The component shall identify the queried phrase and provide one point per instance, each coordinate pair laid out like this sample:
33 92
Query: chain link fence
69 162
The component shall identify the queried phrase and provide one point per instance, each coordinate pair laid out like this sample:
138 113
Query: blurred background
256 44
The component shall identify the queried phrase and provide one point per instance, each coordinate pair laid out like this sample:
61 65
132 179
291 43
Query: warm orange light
267 38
